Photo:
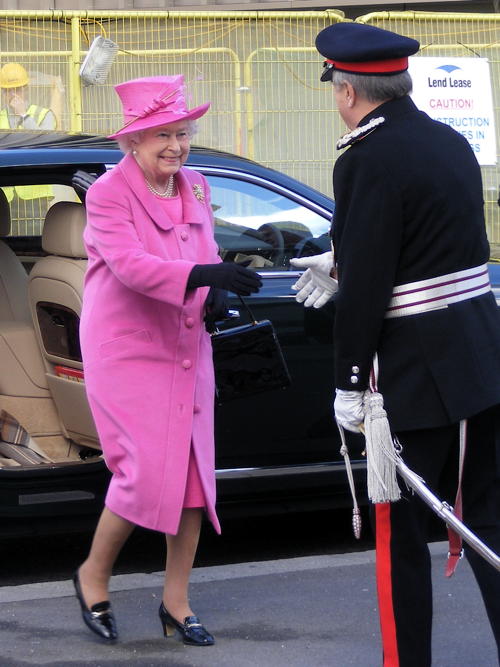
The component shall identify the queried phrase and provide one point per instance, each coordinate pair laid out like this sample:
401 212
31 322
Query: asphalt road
279 591
314 611
53 558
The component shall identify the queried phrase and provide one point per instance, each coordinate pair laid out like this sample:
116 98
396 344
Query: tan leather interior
14 303
56 285
63 230
24 392
22 369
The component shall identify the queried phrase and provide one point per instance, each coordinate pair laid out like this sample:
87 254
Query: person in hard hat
18 113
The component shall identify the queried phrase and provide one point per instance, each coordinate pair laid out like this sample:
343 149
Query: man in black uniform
410 254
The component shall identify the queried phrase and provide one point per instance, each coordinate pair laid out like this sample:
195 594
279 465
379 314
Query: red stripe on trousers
384 584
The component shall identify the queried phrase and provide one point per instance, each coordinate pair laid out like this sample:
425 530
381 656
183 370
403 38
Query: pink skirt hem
193 496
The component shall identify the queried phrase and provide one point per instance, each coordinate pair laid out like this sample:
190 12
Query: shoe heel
165 619
168 630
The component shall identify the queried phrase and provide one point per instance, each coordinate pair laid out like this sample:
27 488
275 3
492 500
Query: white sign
457 91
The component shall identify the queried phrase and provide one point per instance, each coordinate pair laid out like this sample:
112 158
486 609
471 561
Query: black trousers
403 561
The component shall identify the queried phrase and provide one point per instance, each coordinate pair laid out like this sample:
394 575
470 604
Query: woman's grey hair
127 141
375 88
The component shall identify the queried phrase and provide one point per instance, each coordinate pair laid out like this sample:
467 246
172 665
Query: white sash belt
436 293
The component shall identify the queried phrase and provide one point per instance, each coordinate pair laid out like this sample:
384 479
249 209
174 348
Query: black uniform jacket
408 207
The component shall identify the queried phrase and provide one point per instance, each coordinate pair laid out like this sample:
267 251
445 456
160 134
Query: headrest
63 230
4 215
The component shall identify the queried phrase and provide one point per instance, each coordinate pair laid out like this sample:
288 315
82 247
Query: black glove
216 307
81 182
228 276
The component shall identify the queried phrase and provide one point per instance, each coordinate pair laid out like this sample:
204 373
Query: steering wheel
272 235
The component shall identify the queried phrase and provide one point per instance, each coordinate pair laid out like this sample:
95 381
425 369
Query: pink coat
147 357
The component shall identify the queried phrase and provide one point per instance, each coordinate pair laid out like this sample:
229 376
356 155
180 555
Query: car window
30 203
256 223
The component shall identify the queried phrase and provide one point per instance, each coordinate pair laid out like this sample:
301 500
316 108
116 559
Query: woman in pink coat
154 277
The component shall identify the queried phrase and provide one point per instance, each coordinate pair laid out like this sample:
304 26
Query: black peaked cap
345 44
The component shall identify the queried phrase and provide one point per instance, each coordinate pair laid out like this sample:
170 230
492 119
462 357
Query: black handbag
248 360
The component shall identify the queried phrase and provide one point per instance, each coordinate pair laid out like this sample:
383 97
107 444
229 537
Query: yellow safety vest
26 191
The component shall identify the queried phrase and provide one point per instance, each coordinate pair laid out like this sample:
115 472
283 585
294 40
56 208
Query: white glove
349 410
315 286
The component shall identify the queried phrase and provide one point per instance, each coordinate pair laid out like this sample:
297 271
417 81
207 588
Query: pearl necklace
169 192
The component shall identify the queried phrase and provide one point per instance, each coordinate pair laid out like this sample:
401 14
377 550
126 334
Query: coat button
189 322
187 363
184 236
354 379
196 408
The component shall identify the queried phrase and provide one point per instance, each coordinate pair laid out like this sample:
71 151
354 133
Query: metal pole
74 78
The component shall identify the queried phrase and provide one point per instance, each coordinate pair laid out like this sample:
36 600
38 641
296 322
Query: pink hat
153 101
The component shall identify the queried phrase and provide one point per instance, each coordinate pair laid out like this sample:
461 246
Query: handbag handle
248 309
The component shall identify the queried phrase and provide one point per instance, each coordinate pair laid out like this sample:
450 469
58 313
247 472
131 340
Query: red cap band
375 66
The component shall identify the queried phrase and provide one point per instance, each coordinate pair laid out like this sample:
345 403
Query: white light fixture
101 54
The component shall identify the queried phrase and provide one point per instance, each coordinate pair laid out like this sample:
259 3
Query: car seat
14 303
55 294
26 407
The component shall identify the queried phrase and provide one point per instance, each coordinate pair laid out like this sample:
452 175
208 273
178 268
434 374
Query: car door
265 223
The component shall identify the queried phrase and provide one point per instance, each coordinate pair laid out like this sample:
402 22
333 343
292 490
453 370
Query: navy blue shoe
192 631
99 618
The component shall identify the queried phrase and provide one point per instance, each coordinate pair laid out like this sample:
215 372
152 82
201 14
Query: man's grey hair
375 88
127 141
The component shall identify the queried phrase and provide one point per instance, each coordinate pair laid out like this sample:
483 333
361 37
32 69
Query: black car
276 451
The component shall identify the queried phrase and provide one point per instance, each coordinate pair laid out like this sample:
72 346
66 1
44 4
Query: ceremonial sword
445 512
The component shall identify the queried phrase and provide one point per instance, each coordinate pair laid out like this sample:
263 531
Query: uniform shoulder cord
455 552
356 513
455 547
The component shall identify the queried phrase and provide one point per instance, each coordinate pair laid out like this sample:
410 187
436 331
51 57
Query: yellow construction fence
259 69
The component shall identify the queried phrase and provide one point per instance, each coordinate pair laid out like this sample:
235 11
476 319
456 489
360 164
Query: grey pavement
303 612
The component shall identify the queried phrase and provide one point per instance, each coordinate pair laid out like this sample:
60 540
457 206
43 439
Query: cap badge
359 133
198 192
